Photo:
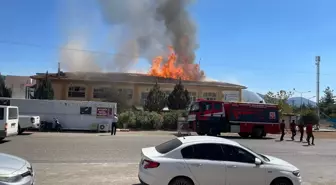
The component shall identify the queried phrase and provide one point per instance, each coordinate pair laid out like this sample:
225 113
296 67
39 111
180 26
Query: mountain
296 101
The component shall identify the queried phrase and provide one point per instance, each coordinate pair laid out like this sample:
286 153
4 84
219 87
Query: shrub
128 118
310 117
170 119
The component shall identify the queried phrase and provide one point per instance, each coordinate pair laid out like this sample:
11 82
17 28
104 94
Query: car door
241 168
205 162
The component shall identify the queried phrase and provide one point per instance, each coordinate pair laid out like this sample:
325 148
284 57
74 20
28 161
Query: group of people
301 126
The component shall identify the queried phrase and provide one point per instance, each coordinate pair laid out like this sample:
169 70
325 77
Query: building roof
129 78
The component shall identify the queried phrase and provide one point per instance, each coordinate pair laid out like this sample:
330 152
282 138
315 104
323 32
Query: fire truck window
194 107
206 106
218 106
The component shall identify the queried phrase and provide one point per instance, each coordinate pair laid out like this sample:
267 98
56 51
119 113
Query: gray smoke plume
151 26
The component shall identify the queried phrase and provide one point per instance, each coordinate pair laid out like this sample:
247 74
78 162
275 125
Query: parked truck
72 115
246 119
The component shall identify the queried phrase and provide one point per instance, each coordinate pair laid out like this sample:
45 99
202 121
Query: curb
123 130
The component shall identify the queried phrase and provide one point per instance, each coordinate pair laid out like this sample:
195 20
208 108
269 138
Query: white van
26 122
9 121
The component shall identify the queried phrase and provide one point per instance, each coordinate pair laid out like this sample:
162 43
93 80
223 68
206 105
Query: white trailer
73 115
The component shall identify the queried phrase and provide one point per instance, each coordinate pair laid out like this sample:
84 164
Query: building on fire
90 86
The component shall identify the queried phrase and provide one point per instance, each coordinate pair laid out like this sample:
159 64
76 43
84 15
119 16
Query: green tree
156 99
179 98
116 96
281 99
44 89
327 102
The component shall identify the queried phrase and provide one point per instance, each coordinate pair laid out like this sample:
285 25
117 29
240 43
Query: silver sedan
15 171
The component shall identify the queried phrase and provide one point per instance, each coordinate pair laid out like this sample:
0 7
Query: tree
280 98
116 96
179 98
4 91
327 102
44 89
156 99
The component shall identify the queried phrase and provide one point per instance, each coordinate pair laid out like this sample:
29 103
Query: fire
170 69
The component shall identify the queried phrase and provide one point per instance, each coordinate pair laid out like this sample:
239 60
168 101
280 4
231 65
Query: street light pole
301 93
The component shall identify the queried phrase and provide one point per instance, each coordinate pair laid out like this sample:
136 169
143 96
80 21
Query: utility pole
317 62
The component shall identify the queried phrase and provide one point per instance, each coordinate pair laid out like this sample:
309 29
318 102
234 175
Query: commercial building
91 86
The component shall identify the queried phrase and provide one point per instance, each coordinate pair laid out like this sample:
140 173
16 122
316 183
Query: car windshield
168 146
259 155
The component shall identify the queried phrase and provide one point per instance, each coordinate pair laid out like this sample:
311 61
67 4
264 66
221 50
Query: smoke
151 26
136 29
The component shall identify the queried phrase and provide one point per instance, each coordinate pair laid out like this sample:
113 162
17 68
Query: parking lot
80 158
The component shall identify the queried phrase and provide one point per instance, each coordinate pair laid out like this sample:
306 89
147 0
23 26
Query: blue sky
263 44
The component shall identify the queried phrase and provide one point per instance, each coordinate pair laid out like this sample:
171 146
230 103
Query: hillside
296 101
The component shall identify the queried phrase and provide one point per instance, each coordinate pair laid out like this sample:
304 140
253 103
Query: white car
205 160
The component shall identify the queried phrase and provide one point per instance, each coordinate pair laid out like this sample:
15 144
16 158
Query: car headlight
11 179
296 173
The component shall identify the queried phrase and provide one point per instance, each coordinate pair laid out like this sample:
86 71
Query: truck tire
20 131
244 134
257 132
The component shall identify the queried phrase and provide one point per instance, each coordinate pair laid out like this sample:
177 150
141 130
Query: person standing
301 130
282 128
114 124
293 129
309 131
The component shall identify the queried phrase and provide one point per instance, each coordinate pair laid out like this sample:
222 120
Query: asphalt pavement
79 158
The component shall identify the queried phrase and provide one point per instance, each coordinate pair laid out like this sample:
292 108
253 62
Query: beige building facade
91 87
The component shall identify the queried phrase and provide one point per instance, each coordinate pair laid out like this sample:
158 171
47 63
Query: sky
266 45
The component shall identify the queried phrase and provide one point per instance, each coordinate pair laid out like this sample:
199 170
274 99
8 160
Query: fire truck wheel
257 132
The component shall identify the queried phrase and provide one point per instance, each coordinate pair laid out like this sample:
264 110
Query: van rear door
12 120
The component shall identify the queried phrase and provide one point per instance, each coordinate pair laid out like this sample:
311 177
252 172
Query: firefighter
282 128
293 129
309 131
301 129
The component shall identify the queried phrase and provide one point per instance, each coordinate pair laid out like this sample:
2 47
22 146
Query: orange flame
171 69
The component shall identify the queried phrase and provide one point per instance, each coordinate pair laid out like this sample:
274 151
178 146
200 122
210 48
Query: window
2 113
203 151
12 113
210 96
236 154
86 110
100 92
194 107
143 98
218 106
127 92
193 96
76 92
168 146
206 106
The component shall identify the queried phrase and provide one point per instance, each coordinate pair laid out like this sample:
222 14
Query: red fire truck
246 119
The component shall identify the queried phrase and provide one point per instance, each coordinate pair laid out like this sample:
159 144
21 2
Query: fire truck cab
246 119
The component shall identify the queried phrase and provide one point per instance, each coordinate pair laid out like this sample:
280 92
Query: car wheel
181 181
20 131
281 181
257 133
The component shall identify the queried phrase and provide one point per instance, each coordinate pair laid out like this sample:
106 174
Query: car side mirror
257 161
